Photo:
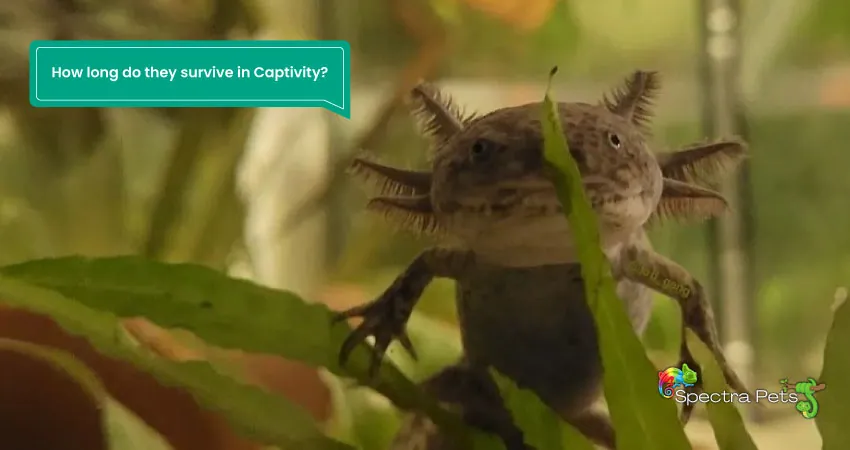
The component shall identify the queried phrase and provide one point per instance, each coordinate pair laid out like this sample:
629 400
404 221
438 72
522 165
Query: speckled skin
501 207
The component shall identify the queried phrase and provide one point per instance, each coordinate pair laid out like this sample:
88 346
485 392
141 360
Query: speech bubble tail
344 112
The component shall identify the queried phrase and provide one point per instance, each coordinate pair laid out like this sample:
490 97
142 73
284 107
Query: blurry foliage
588 37
823 34
520 14
83 200
835 400
479 42
106 181
92 419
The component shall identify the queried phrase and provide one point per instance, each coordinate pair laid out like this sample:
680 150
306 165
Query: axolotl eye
614 140
481 150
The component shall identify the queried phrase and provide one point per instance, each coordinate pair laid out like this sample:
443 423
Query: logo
673 381
807 404
673 378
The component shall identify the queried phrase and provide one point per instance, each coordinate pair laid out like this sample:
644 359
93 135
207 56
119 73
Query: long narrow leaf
541 427
834 401
643 419
726 421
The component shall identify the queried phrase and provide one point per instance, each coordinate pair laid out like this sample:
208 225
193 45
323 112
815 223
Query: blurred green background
216 186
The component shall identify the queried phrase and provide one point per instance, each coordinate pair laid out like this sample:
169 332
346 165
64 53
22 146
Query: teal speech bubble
142 74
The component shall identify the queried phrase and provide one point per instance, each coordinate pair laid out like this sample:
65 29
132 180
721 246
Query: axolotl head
488 190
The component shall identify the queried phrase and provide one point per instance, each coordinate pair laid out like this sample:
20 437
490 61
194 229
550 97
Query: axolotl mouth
527 227
530 198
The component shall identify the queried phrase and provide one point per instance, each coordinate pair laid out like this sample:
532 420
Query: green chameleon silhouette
808 407
688 375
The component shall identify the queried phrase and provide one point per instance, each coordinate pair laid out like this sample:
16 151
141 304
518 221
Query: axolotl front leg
385 318
665 276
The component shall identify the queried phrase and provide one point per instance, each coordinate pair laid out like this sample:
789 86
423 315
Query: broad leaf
224 312
834 401
726 421
260 416
643 419
119 429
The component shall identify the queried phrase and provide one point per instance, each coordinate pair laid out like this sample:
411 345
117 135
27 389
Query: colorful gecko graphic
808 407
673 377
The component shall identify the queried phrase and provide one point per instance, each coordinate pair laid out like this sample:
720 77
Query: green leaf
341 423
541 427
726 421
123 429
643 419
225 312
259 416
372 420
834 400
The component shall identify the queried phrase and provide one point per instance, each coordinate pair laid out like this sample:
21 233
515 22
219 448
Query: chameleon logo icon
808 405
673 377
